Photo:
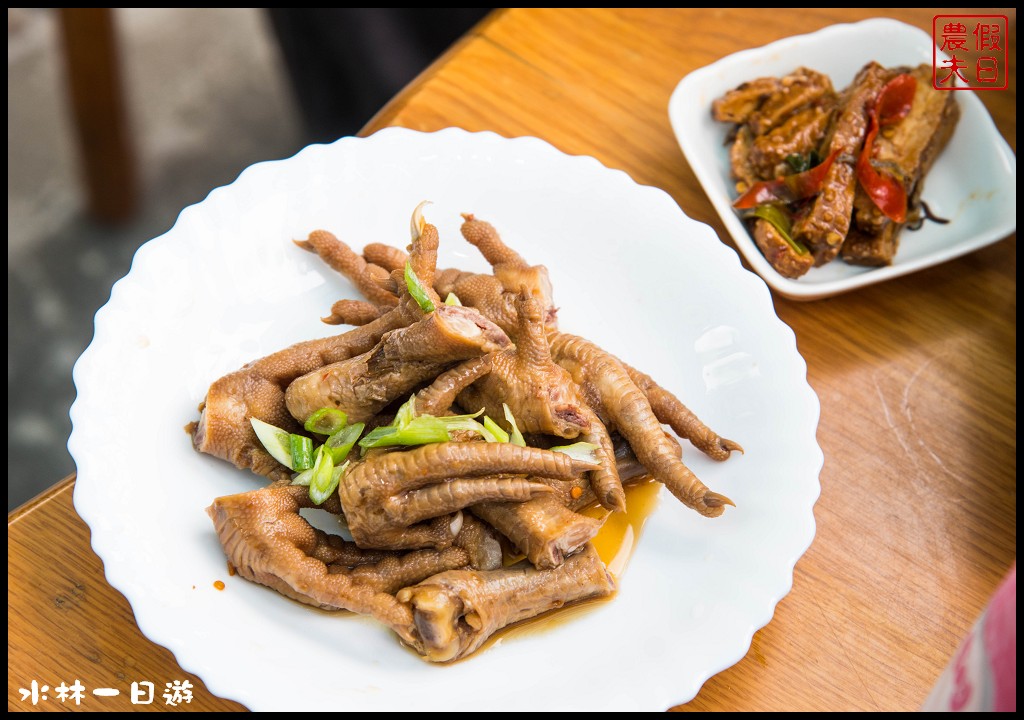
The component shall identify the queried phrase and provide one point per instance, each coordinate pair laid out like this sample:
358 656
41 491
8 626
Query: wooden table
917 379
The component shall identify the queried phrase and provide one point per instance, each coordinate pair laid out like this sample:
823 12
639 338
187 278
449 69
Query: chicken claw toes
430 524
386 497
672 412
605 378
353 312
716 500
372 281
730 446
268 542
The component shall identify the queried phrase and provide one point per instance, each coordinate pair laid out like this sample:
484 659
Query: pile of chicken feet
429 523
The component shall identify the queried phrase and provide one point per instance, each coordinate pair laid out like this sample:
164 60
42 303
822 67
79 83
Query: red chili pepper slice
891 106
787 189
885 191
894 101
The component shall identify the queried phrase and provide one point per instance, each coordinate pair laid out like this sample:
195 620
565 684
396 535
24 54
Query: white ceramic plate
973 182
630 271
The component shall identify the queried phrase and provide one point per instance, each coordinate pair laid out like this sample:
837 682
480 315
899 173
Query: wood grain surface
916 523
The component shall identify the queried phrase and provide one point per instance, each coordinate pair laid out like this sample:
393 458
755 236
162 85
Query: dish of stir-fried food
822 173
457 432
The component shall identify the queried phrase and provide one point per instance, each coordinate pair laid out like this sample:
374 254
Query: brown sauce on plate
620 533
614 542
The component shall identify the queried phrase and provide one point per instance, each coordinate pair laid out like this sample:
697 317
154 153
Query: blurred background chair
92 69
346 63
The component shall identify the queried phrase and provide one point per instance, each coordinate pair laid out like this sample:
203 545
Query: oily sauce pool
614 542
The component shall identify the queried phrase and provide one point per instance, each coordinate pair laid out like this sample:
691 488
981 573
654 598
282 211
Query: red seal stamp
969 52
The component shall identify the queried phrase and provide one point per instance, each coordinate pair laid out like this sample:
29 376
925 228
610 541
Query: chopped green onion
515 437
499 434
467 423
340 443
420 431
376 435
303 477
411 429
779 219
324 480
477 414
405 413
302 451
276 441
326 421
453 299
582 451
416 289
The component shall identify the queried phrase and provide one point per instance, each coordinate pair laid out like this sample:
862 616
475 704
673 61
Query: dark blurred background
197 96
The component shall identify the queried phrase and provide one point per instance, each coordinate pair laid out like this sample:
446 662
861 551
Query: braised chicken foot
386 497
270 543
438 397
542 529
543 397
386 256
258 389
454 612
379 284
672 412
494 295
373 281
541 394
403 359
624 407
354 312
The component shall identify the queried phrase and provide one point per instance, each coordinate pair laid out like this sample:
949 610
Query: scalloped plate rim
87 500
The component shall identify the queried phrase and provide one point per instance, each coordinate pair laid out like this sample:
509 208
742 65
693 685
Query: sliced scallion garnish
405 413
453 299
416 289
302 451
276 441
303 478
515 437
326 421
411 429
340 443
495 429
422 430
582 451
323 482
467 423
